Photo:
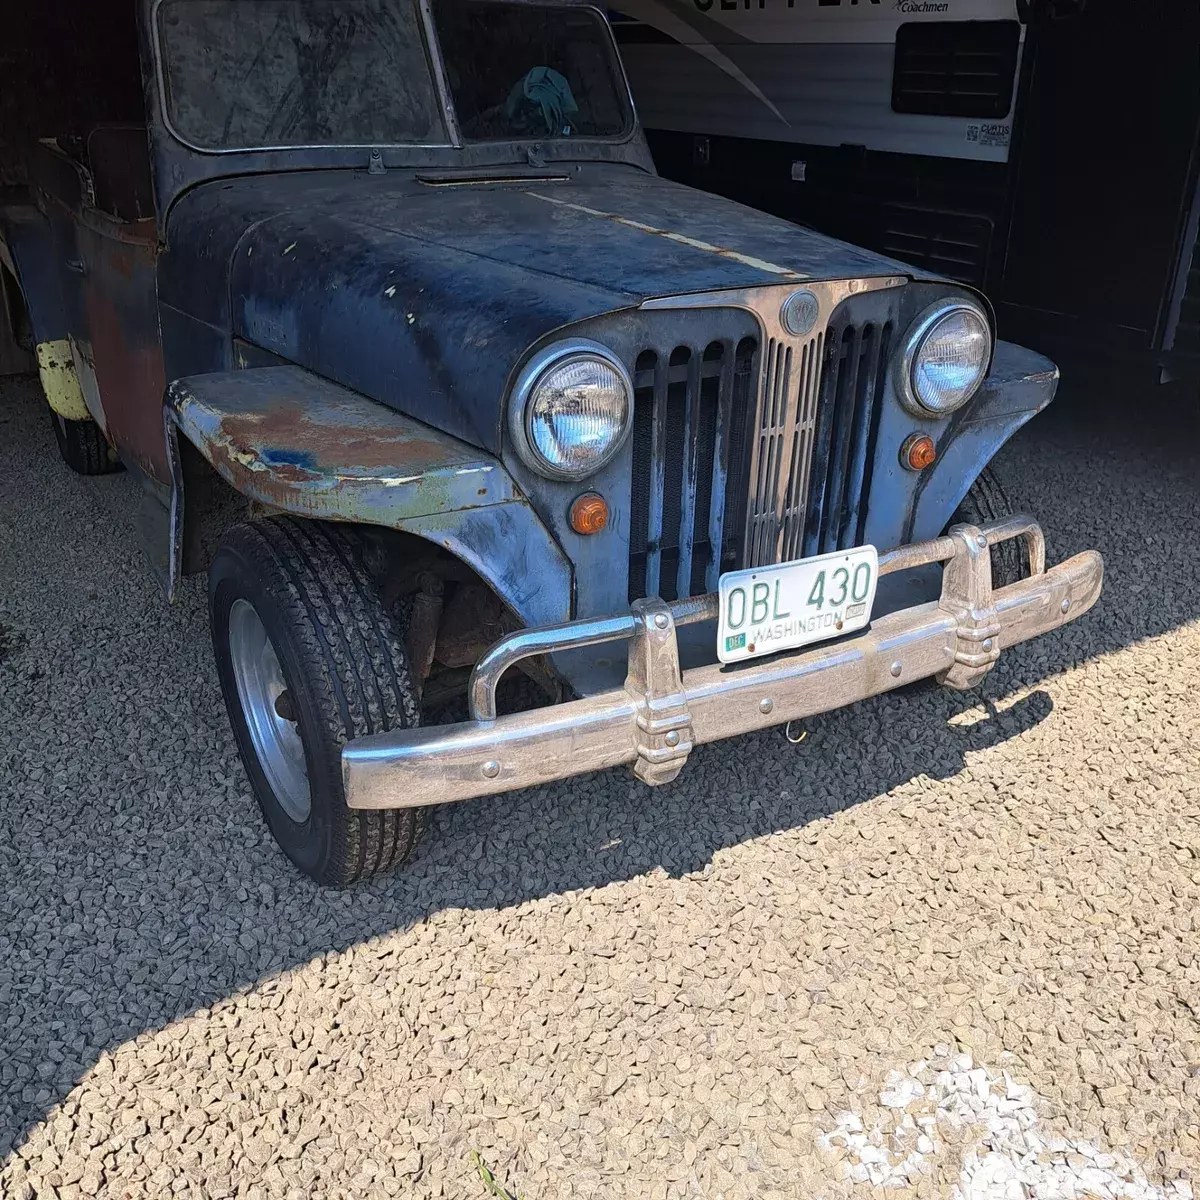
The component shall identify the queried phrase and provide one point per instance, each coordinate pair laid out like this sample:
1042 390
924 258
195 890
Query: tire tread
83 447
985 502
356 650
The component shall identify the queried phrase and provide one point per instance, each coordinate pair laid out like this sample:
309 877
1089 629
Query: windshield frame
445 99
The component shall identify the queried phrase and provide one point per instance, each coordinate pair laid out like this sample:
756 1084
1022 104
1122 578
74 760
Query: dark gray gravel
606 990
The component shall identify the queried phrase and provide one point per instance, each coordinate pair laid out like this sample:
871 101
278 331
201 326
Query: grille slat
774 449
691 469
720 472
658 469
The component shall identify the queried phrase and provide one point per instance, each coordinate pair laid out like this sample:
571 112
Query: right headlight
571 409
946 360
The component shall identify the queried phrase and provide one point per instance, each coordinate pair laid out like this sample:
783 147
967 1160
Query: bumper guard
662 712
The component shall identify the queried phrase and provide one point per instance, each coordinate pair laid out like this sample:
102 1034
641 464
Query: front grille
744 459
852 390
691 407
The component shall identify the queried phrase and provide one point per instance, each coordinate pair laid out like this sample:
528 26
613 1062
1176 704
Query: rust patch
289 428
130 375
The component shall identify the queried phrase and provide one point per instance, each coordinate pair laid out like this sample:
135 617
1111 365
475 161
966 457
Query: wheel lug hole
285 706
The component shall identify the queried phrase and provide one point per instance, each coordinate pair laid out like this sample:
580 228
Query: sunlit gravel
605 990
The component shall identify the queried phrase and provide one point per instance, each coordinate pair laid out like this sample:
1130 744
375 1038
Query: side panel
122 345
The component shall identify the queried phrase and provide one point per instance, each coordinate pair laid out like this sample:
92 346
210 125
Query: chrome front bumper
662 712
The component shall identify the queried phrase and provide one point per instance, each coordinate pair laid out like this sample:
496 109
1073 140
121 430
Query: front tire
309 658
83 446
987 501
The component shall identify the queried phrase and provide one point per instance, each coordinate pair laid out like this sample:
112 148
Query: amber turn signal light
918 452
589 513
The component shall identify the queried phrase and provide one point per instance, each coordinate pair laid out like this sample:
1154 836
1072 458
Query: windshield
250 74
519 71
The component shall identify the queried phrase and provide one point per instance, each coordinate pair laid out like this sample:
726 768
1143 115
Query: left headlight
947 359
571 410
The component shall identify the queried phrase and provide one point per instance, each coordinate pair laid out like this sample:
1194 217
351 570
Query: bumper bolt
765 706
987 645
491 769
981 542
1066 606
896 669
672 738
661 620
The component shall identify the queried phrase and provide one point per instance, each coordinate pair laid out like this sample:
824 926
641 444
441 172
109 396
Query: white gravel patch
995 1129
609 991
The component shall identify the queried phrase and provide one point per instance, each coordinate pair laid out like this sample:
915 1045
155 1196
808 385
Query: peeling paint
301 444
60 383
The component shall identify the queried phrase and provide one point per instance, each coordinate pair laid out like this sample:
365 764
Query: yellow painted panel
59 381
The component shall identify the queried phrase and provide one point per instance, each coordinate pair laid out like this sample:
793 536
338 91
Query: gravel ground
947 943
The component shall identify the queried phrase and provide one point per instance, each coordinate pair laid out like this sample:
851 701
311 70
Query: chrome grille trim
795 503
771 446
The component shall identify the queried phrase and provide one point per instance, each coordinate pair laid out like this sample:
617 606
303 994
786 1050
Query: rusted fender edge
303 445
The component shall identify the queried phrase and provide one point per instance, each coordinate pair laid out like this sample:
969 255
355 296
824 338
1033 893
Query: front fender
302 445
1021 384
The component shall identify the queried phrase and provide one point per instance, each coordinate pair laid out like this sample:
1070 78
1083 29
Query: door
1103 160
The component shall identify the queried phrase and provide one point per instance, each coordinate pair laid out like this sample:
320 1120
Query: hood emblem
799 313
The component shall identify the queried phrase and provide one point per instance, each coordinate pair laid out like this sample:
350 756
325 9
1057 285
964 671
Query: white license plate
770 609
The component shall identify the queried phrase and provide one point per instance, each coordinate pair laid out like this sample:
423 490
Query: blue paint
276 456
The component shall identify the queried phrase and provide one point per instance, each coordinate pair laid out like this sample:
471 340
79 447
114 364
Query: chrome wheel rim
260 686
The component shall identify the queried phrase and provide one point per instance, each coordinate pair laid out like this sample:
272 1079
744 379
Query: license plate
770 609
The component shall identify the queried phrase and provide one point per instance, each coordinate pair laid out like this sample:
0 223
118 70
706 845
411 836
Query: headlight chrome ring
574 418
960 380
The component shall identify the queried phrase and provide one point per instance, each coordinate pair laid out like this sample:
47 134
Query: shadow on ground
139 883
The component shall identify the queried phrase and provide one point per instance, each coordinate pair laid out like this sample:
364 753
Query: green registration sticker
737 642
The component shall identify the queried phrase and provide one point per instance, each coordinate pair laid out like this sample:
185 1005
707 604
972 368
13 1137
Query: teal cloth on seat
549 90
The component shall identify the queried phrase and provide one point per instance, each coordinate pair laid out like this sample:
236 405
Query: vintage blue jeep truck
411 350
